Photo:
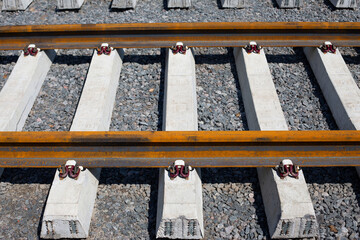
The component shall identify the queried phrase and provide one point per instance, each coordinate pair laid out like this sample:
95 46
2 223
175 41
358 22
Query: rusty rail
146 35
199 149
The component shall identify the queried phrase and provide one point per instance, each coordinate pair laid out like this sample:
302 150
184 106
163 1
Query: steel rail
156 35
199 149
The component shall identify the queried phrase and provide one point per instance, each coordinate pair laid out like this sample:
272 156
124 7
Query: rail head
213 34
199 149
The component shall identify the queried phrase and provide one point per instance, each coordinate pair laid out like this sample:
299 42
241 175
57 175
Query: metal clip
179 168
104 49
179 48
287 168
328 47
31 50
71 169
253 48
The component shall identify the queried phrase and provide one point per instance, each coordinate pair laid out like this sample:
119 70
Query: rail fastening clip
179 168
71 169
253 47
179 48
104 49
31 50
287 168
328 47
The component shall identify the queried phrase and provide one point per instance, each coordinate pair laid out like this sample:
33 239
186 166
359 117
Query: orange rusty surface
159 149
180 137
220 34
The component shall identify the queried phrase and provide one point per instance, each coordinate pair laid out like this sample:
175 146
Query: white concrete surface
70 202
180 200
344 3
289 3
13 5
287 201
69 4
233 3
123 4
21 89
338 86
178 3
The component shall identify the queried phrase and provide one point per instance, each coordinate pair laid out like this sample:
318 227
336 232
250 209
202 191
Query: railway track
137 149
126 198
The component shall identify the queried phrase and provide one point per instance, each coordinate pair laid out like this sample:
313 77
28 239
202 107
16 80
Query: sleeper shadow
330 6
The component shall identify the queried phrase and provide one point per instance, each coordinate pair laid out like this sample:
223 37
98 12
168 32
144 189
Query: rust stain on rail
160 149
146 35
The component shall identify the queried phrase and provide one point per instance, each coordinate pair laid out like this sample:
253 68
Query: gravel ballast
126 202
299 93
97 11
352 60
56 103
7 63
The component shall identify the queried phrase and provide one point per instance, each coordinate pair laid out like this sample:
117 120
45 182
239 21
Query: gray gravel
233 207
125 207
126 202
220 104
7 63
23 194
335 193
137 105
300 95
55 105
97 11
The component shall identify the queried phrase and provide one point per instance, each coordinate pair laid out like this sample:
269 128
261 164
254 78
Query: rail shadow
212 59
7 59
28 175
357 49
143 59
352 59
70 59
57 10
282 58
299 57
